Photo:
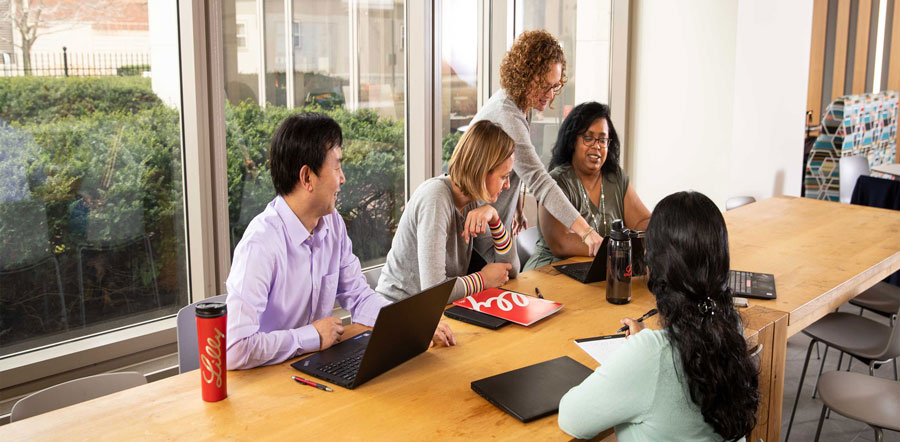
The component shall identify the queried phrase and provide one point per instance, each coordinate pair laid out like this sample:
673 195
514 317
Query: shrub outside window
91 197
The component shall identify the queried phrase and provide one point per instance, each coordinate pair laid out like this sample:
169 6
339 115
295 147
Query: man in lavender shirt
295 258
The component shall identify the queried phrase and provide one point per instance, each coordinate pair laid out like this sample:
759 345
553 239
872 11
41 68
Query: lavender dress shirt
283 279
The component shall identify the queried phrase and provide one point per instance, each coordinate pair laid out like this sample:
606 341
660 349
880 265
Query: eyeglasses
590 139
556 88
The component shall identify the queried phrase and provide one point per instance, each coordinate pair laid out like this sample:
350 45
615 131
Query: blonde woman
532 73
433 240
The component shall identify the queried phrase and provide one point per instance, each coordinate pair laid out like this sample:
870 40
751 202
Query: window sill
125 345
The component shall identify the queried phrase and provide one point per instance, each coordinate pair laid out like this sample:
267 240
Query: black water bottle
618 265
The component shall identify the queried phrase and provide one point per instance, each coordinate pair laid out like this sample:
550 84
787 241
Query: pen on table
537 291
641 319
311 383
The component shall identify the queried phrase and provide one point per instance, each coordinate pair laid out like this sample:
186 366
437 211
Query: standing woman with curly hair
693 380
531 74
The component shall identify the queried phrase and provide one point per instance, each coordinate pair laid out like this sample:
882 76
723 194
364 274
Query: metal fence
78 64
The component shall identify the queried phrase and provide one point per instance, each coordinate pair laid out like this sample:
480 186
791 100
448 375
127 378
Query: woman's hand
495 274
477 221
633 326
443 335
593 241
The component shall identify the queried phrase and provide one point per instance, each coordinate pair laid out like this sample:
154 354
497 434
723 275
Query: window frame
204 165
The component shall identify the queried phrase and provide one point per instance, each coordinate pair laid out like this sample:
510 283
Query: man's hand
443 335
330 331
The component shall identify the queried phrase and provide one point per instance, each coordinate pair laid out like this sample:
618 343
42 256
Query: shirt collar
296 231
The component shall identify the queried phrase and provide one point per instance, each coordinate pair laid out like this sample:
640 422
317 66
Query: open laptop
403 330
751 284
590 271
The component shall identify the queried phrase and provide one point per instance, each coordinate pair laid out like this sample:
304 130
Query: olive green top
614 188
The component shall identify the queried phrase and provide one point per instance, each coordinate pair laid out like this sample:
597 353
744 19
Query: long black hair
687 256
577 123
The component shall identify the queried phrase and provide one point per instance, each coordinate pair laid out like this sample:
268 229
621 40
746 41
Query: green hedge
106 153
40 99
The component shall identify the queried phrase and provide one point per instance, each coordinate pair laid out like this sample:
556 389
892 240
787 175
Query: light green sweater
640 393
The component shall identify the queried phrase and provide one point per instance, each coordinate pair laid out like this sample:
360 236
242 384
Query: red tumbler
211 325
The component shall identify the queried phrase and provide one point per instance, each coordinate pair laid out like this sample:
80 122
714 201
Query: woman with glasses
532 73
585 165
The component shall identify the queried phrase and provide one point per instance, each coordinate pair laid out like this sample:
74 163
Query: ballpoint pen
641 319
537 291
311 383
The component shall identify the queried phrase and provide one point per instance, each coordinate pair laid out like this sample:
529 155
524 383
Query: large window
91 207
459 71
344 58
583 27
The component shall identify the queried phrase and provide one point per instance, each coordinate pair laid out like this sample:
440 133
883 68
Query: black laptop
590 271
751 284
534 391
403 330
594 271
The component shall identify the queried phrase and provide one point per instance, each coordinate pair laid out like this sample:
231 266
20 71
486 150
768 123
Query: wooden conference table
430 397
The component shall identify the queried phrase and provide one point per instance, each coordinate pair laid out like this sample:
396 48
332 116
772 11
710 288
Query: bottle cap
210 309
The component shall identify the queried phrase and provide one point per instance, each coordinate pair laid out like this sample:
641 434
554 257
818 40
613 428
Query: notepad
601 348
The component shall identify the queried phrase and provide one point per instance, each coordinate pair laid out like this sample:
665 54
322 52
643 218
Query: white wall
718 95
771 82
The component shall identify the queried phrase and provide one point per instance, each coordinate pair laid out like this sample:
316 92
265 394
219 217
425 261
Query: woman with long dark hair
693 380
585 165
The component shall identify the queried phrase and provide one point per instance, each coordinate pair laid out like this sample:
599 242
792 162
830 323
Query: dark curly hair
527 62
577 123
687 257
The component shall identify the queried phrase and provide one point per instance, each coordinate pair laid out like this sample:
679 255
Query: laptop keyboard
740 281
345 368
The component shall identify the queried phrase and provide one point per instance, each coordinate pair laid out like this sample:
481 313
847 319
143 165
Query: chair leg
818 356
821 421
871 368
896 374
821 366
879 434
840 361
799 388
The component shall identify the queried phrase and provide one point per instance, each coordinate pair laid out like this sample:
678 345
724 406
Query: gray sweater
428 249
501 110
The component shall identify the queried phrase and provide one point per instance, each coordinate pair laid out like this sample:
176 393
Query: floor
837 428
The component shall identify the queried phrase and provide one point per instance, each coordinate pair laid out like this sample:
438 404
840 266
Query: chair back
372 276
893 347
74 392
526 243
851 168
738 201
188 358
